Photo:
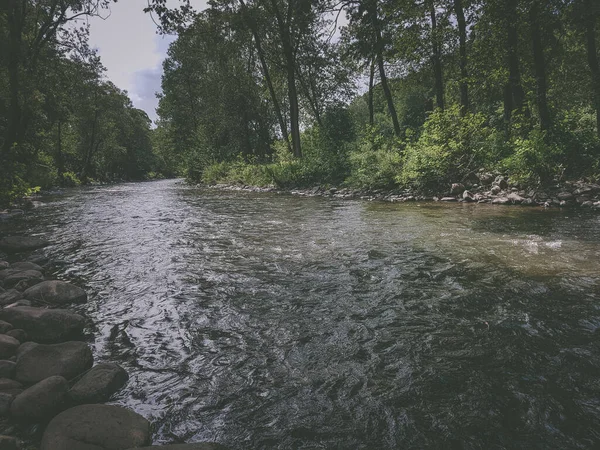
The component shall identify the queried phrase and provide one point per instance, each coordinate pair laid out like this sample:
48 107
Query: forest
363 93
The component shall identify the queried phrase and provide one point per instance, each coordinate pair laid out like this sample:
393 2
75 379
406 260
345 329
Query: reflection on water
263 320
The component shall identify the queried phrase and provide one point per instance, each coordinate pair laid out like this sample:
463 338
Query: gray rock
25 347
16 244
8 384
515 198
448 199
27 265
56 292
197 446
41 401
501 181
10 296
457 188
468 196
68 360
23 285
44 325
8 443
96 427
4 265
496 189
5 327
18 334
11 280
485 178
8 346
500 201
5 401
99 384
7 368
587 204
565 195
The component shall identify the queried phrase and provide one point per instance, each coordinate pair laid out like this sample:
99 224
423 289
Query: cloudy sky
132 51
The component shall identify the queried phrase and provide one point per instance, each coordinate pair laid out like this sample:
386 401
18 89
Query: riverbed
262 320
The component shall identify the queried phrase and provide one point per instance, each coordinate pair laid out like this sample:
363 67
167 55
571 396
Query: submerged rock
56 292
68 359
42 400
96 427
99 384
44 325
16 244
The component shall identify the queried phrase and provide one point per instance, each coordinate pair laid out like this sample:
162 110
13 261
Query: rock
500 201
7 368
501 181
197 446
8 346
8 443
468 196
18 334
68 359
99 384
5 327
4 265
587 204
448 199
96 427
21 302
56 292
42 400
5 401
485 178
23 285
44 325
565 196
26 266
10 296
496 189
515 198
7 384
457 188
25 347
11 280
16 244
40 260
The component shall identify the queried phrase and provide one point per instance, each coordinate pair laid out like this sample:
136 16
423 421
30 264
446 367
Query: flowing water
273 321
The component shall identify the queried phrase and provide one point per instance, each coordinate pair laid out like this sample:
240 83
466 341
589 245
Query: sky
132 51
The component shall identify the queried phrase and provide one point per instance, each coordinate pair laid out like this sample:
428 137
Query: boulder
5 327
7 368
500 201
56 292
18 334
197 446
98 384
501 181
44 325
468 196
8 346
565 195
27 265
7 384
14 278
40 401
16 244
515 198
23 285
68 360
495 189
96 427
25 347
457 188
10 296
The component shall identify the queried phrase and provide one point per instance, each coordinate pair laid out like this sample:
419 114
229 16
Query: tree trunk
462 50
370 95
266 74
517 95
540 67
437 60
380 63
592 55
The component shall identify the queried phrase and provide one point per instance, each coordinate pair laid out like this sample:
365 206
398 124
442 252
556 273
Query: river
275 321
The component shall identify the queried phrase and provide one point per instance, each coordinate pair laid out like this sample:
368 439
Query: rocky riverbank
48 377
484 188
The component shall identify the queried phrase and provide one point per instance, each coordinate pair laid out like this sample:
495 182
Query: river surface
274 321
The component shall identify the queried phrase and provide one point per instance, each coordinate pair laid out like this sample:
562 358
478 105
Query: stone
25 347
96 427
565 195
68 360
5 327
500 201
40 260
11 280
27 265
98 384
7 368
18 334
4 265
23 285
10 296
7 384
5 401
448 199
8 346
457 188
468 196
44 325
485 178
8 443
501 182
515 198
587 204
495 189
42 400
197 446
16 244
56 292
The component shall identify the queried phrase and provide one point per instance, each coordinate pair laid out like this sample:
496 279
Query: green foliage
449 149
